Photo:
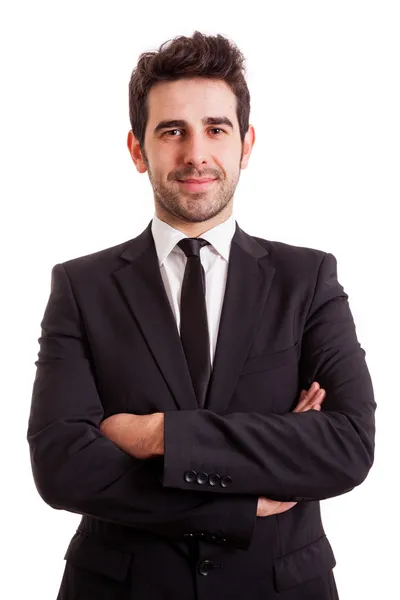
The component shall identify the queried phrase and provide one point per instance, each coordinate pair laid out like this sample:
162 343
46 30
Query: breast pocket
268 382
264 362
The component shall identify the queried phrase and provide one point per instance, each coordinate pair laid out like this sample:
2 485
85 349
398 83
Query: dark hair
212 57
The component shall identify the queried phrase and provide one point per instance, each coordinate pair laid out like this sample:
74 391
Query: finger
267 507
312 390
301 405
307 396
314 386
285 506
317 398
320 397
301 402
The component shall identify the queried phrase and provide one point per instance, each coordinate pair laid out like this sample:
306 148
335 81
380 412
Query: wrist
158 434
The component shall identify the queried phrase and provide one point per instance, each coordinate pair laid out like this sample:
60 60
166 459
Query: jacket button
202 478
205 566
213 478
225 481
190 476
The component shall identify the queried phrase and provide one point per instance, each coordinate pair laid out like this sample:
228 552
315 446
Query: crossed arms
295 456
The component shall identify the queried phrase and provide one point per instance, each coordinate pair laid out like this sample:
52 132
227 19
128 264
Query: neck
193 229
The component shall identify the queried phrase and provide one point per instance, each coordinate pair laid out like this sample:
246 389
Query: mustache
196 175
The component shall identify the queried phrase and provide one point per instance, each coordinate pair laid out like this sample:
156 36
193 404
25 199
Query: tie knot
192 246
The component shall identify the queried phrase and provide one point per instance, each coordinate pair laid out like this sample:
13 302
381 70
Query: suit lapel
248 282
143 288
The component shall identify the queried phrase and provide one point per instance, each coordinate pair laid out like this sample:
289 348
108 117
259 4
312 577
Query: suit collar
166 237
248 283
144 240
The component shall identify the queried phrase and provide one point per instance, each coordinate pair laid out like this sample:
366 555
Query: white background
324 83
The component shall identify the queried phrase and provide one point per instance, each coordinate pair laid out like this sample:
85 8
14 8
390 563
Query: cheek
227 164
161 165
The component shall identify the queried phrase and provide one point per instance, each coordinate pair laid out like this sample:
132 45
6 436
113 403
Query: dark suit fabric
110 344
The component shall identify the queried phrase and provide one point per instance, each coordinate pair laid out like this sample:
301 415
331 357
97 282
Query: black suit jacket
185 523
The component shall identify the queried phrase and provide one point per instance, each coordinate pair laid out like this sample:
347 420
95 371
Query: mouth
196 185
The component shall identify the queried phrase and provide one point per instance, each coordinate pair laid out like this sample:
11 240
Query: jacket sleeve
76 468
294 456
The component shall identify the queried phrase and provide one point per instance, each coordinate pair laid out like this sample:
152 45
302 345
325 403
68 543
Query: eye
217 129
171 131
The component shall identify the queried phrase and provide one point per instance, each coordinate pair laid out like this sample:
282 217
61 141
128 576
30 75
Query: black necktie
194 324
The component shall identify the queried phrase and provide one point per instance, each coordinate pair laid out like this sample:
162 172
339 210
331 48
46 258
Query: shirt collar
166 237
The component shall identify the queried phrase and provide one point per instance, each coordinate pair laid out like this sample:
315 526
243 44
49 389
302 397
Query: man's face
180 144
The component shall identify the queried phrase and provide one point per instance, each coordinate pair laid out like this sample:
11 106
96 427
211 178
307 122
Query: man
172 405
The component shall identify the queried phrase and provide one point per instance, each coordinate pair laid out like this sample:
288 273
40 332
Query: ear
136 153
248 144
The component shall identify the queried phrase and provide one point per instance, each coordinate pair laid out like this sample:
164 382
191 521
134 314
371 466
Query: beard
193 207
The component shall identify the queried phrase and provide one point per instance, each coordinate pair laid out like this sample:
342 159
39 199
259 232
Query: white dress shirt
214 258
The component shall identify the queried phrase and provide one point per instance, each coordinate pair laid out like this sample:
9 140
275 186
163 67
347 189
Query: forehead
191 99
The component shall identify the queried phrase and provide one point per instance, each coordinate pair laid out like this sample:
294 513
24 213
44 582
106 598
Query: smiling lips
195 185
197 180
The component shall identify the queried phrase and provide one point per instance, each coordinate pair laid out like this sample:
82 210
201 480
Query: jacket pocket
96 556
271 361
304 564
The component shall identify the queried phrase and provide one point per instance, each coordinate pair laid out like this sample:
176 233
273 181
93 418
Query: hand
141 436
309 400
267 507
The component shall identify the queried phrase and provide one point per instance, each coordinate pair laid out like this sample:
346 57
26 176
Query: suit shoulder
284 251
95 260
295 259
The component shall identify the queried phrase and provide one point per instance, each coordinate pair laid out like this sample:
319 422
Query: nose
195 153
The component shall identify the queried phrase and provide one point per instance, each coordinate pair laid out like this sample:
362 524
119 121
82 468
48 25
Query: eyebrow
205 121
